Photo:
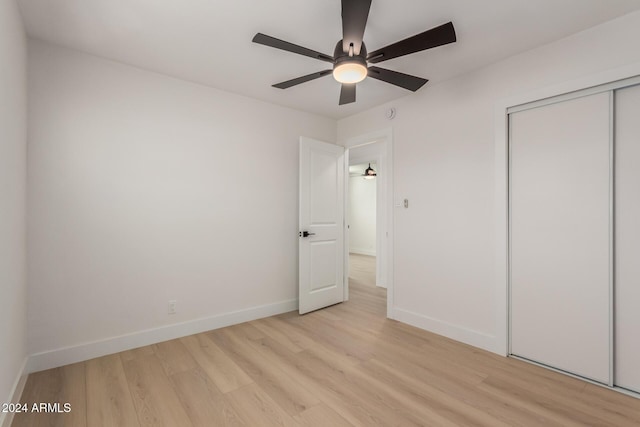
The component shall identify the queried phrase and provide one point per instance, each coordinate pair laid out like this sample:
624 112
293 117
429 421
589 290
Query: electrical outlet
172 307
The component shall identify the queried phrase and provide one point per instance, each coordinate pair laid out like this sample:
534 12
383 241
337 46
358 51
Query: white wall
362 215
13 152
144 189
445 251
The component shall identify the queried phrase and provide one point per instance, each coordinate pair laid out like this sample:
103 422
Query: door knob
306 234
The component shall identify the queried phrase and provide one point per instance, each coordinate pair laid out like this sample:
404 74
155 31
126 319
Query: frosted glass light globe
350 72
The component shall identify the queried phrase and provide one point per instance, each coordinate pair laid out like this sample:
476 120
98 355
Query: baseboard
458 333
16 393
362 251
81 352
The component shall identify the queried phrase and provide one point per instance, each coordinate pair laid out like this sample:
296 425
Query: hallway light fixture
369 173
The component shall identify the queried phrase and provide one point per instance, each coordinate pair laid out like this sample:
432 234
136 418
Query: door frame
384 208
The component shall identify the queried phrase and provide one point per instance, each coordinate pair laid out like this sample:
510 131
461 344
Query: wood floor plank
384 406
109 402
294 366
362 268
153 395
74 392
462 406
565 406
529 410
223 371
624 406
292 333
55 386
321 415
257 408
278 333
147 350
322 332
333 385
204 403
175 357
281 387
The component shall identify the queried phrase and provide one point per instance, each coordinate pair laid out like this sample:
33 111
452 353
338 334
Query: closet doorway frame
608 81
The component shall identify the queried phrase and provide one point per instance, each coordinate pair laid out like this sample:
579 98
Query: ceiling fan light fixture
351 71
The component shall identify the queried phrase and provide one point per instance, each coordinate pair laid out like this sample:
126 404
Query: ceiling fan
350 58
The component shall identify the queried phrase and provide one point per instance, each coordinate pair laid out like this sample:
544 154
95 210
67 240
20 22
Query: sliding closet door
559 198
627 239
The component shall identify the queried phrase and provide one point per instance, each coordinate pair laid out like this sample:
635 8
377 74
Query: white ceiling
209 41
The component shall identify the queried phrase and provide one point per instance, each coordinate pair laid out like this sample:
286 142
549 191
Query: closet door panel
559 240
627 239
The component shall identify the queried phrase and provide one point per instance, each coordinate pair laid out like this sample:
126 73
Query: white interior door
321 222
559 199
627 239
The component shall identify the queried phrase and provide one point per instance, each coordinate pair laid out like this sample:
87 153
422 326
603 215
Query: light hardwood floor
362 270
343 366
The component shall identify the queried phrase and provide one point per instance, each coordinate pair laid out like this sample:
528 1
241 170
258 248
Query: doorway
362 210
368 254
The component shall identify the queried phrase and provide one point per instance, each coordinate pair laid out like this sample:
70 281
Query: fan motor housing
341 56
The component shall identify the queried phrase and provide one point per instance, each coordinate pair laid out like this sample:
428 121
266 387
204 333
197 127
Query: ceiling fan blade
405 81
438 36
303 79
347 93
290 47
354 20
